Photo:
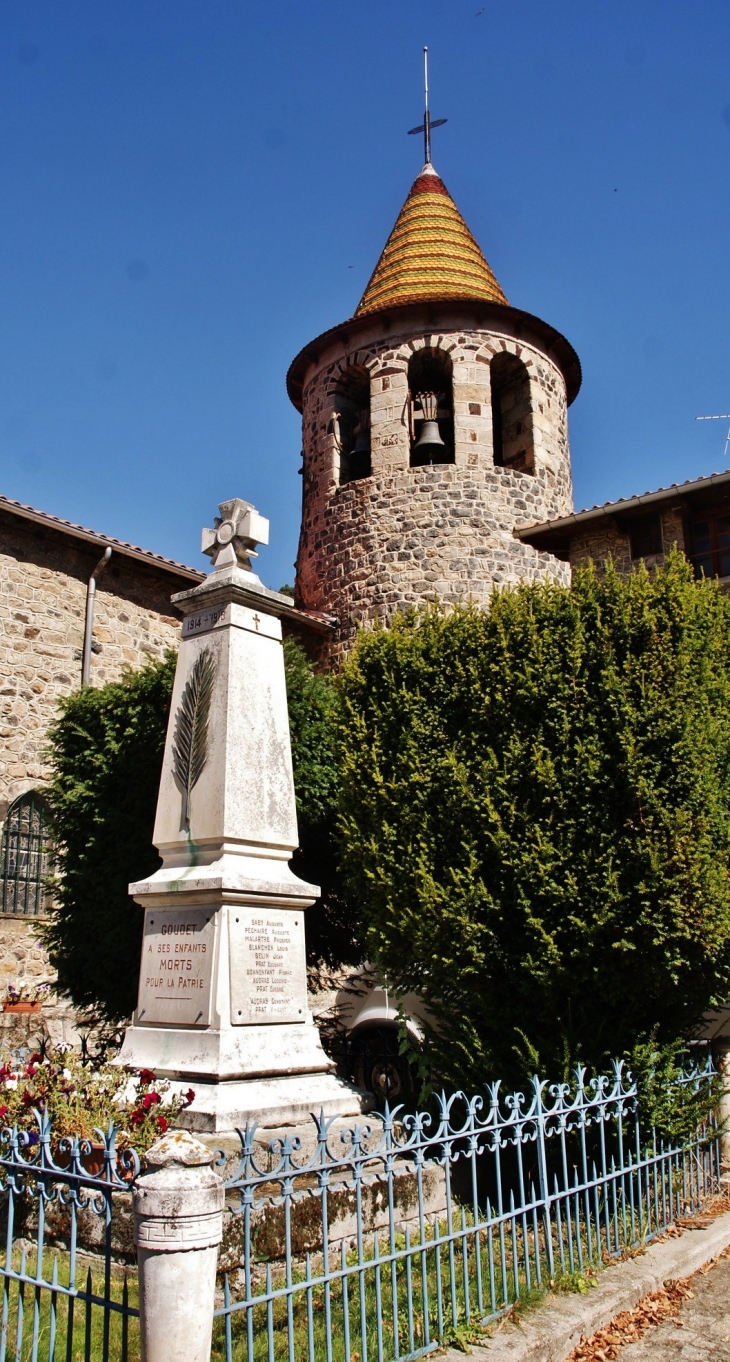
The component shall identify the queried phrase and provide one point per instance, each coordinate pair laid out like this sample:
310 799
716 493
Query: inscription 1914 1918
268 976
177 961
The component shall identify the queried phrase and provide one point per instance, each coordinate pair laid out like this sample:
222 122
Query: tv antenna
723 416
428 122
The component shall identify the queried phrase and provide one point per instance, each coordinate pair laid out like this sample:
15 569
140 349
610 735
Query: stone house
694 516
45 567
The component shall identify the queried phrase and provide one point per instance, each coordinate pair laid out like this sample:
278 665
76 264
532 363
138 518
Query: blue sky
192 189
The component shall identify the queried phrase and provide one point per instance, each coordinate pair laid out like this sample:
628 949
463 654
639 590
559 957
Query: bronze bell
429 446
362 441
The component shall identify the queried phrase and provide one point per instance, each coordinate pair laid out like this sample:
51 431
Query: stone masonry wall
408 535
606 539
43 576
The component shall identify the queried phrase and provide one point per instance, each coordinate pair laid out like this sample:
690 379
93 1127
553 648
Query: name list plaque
268 971
177 966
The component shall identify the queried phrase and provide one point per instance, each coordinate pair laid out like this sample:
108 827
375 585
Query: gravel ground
701 1332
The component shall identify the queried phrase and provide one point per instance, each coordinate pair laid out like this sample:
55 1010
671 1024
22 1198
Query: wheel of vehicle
378 1066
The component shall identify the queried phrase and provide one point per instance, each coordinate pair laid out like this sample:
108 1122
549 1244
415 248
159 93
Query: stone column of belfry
223 992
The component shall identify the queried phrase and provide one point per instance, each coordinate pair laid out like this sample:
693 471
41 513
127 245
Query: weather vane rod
428 122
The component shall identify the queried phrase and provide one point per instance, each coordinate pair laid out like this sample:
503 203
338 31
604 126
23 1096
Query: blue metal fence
384 1238
63 1295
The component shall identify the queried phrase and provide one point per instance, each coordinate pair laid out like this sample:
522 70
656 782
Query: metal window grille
25 857
386 1238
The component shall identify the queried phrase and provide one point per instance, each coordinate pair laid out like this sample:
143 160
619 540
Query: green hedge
536 816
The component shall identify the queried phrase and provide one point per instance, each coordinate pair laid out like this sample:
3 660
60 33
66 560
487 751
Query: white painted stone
178 1226
223 999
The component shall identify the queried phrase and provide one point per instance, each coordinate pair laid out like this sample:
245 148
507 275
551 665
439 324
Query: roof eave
68 528
542 532
514 322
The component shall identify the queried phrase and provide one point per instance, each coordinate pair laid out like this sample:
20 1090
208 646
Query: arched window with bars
26 858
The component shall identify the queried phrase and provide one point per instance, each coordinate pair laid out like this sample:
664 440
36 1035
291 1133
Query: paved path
704 1335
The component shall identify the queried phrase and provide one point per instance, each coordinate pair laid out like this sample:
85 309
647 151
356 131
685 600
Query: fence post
721 1055
178 1226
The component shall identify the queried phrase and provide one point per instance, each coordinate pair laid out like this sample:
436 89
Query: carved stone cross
235 534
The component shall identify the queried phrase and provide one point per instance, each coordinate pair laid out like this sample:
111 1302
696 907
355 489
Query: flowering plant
81 1098
27 993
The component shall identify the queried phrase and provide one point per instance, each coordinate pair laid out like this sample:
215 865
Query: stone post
721 1053
178 1227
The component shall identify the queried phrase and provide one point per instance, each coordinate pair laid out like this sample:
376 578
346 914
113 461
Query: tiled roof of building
316 620
56 522
430 254
609 508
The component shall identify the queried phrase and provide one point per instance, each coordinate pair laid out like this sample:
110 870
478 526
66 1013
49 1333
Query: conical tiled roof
430 254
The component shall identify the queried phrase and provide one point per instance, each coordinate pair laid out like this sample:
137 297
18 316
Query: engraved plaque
177 965
268 969
205 620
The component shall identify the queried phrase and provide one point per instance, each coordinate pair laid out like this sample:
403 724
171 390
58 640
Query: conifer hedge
536 818
106 751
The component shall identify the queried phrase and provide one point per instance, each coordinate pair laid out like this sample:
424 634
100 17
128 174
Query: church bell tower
434 422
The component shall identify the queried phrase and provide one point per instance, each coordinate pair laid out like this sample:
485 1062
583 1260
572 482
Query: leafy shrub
535 818
82 1099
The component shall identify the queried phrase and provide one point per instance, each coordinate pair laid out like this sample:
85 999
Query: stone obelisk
223 991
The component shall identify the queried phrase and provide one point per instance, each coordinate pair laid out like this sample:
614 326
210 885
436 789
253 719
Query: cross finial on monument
428 122
235 534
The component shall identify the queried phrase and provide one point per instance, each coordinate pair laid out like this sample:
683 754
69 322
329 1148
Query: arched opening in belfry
431 408
512 431
351 423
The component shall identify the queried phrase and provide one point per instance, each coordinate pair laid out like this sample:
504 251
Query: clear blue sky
192 189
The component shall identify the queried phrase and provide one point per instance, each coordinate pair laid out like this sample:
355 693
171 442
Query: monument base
282 1100
225 1054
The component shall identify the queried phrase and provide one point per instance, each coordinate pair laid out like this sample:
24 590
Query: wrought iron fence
63 1294
385 1237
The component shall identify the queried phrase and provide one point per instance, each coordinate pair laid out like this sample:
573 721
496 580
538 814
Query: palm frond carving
190 743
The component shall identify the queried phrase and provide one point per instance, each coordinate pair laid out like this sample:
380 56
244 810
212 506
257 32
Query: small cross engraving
257 622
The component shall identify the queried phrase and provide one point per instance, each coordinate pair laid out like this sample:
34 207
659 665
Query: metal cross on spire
428 122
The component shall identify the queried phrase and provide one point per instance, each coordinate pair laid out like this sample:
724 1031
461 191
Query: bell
362 441
429 446
428 439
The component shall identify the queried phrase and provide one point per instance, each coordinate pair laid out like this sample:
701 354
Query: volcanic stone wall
609 539
43 576
403 535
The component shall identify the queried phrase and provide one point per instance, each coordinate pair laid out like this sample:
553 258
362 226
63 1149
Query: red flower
30 1070
37 1058
28 1099
137 1117
4 1111
162 1124
150 1099
189 1097
146 1075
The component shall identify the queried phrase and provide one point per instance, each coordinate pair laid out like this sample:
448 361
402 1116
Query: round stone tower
434 423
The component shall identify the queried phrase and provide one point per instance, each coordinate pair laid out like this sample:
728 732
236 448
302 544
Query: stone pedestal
178 1226
222 1002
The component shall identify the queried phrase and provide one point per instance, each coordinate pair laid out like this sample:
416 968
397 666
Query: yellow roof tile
430 254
